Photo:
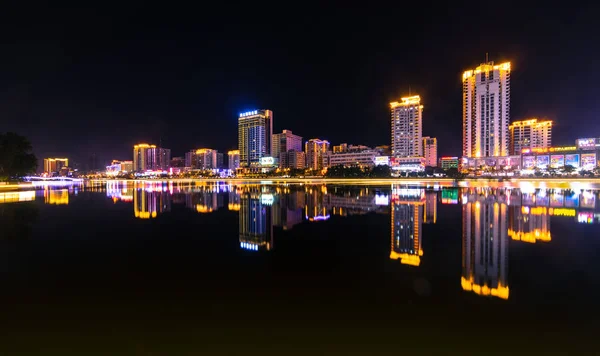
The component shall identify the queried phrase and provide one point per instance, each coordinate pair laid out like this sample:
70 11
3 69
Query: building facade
255 131
449 162
315 149
486 110
203 158
233 159
54 165
283 143
530 134
365 158
407 127
430 151
149 157
293 159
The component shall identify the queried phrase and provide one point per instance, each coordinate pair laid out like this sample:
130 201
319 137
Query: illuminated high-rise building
54 165
407 127
430 151
203 158
485 244
486 110
407 225
530 134
233 159
149 157
315 149
255 131
256 228
283 143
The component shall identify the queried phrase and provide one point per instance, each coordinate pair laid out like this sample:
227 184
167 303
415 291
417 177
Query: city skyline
134 83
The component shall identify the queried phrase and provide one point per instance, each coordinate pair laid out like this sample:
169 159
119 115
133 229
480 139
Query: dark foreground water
161 269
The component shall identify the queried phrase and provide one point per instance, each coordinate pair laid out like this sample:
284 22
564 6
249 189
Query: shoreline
516 182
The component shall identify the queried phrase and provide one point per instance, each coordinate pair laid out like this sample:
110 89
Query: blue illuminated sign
249 113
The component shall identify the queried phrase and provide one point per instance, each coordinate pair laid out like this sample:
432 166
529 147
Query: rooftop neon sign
249 113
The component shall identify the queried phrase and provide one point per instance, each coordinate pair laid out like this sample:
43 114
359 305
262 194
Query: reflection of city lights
249 246
267 199
500 292
13 197
56 197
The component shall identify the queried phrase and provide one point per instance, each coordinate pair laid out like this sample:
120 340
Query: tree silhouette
16 156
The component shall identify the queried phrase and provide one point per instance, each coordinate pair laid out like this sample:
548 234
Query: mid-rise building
255 131
294 159
150 157
117 167
430 151
54 165
283 143
233 159
530 134
178 162
315 149
202 158
486 110
365 158
449 162
407 127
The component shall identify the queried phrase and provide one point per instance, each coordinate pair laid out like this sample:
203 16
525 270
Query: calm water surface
295 269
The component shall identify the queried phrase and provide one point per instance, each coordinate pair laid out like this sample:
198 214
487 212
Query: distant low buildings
177 162
365 157
54 165
116 167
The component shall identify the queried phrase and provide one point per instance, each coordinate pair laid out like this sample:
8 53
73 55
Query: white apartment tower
486 110
407 127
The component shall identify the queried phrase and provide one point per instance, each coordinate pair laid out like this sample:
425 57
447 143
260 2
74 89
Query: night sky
78 81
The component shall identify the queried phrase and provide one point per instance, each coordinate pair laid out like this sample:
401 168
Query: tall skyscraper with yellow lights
530 134
407 127
486 110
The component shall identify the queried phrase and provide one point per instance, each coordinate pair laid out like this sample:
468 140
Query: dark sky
79 81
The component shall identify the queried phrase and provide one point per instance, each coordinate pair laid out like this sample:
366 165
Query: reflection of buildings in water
315 209
56 196
233 202
485 244
287 208
119 193
255 220
148 204
407 212
529 224
204 202
430 208
15 197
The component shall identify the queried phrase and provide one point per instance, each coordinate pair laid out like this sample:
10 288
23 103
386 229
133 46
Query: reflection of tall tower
407 220
529 224
256 229
233 202
148 204
430 208
485 245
